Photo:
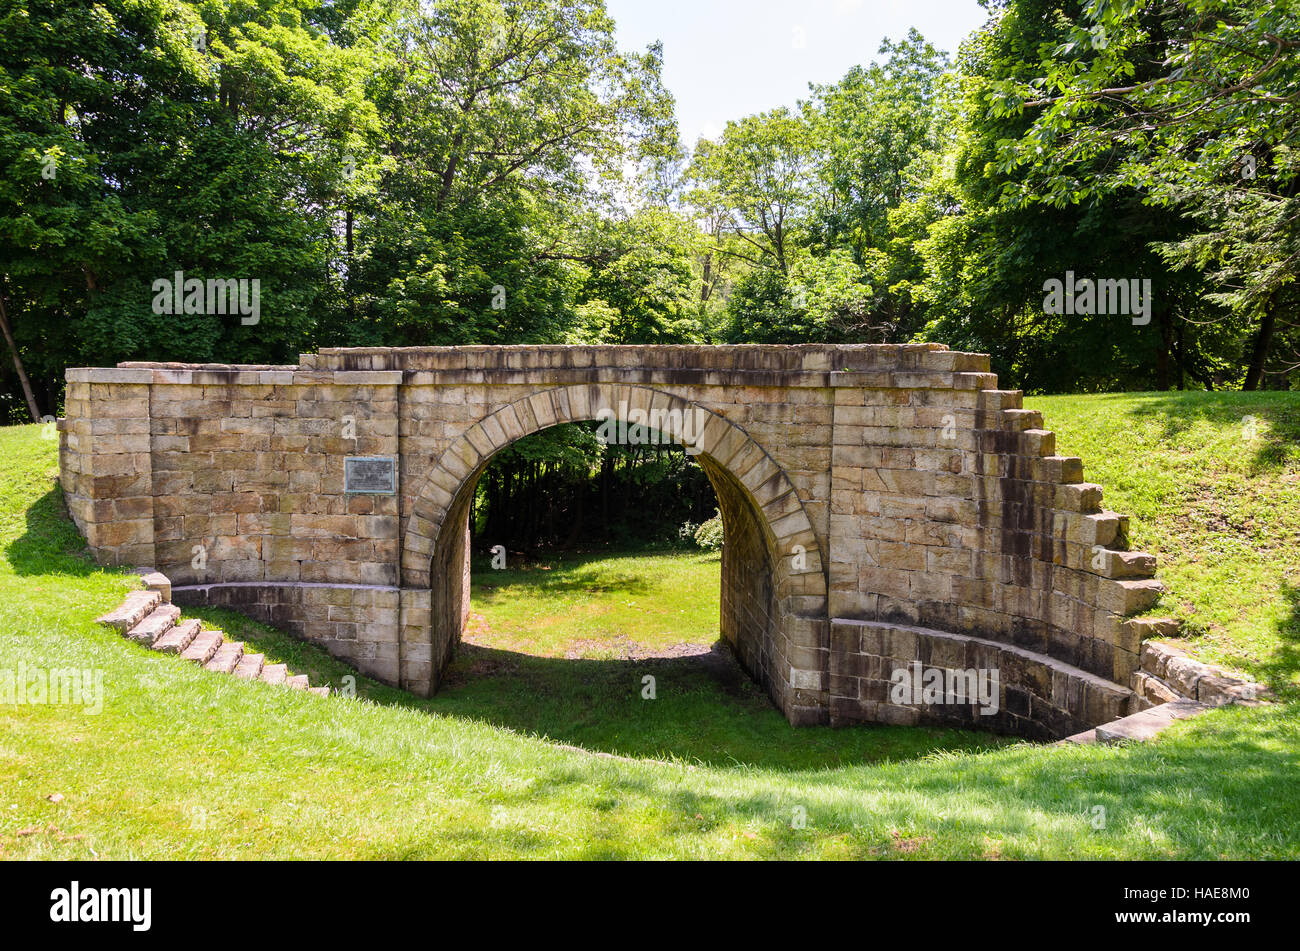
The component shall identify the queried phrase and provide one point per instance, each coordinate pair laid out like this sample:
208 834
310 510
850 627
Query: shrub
709 534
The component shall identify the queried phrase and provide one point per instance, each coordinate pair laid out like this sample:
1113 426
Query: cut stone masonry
881 504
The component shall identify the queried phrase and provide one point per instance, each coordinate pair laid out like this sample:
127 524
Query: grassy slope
1220 509
182 763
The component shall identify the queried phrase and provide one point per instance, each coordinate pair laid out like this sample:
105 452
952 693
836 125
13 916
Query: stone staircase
1170 686
148 617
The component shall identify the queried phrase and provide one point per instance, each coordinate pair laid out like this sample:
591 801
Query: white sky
724 59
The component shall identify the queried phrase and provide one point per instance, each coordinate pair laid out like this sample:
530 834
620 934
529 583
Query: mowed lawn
512 758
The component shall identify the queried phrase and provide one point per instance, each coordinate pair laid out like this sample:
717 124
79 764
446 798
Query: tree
1194 106
761 171
140 139
507 123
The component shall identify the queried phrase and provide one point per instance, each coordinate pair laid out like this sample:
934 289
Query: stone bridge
884 506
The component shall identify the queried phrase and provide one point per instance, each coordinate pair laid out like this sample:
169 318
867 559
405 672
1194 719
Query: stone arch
774 582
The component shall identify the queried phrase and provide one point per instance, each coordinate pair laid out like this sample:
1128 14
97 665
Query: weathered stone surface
204 645
226 658
1140 727
156 581
178 638
132 611
250 666
154 625
1152 688
880 483
273 673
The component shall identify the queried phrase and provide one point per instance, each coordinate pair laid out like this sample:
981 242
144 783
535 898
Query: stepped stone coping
250 666
274 673
203 647
227 658
155 580
1140 727
1166 669
179 637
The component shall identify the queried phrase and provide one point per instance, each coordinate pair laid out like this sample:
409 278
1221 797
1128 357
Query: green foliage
1191 110
399 172
214 159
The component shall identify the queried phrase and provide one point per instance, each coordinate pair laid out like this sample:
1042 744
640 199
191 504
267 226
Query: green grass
548 654
182 763
1217 499
591 603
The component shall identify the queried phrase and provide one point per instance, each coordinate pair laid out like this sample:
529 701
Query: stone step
130 612
1140 727
250 666
203 647
179 637
298 682
274 673
1082 739
155 624
226 659
155 580
319 691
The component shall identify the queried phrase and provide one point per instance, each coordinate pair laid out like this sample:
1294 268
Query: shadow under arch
774 589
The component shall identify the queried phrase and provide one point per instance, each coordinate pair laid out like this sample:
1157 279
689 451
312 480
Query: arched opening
772 587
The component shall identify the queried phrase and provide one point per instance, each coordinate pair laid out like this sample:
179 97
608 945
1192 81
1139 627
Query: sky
724 59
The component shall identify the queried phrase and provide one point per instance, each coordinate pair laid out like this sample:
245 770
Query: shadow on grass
1219 786
705 708
51 543
1282 669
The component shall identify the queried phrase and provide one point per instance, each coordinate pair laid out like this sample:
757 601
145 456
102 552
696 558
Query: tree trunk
1162 354
604 494
1259 351
18 363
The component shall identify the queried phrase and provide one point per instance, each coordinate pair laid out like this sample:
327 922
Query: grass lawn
506 761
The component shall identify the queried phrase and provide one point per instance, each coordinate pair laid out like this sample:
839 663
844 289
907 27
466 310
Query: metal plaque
373 475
